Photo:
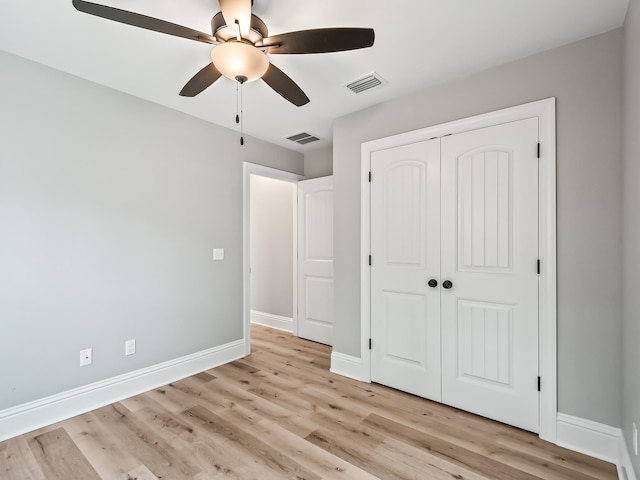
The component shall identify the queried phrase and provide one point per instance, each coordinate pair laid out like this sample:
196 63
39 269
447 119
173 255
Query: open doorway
272 251
270 247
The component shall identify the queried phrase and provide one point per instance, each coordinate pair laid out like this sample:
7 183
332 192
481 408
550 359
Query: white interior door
405 249
489 254
315 259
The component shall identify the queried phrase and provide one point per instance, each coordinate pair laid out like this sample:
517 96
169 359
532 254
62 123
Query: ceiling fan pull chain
241 115
237 103
240 79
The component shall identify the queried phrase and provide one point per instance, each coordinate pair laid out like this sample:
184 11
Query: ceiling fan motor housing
223 32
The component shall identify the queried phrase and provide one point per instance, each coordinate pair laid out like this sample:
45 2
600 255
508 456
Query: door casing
544 110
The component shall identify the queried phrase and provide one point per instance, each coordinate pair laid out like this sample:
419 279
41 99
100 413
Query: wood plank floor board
279 413
257 449
239 377
189 441
204 377
284 399
201 394
145 443
100 447
171 398
244 407
60 458
429 466
356 454
18 462
275 362
222 460
141 472
316 400
312 457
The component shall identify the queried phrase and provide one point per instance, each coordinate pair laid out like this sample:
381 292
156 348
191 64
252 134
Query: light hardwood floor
279 413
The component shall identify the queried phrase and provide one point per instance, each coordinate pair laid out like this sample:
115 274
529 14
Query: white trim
294 319
591 438
547 292
346 365
273 321
248 170
55 408
544 110
625 467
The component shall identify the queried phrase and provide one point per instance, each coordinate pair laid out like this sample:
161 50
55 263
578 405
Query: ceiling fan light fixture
239 59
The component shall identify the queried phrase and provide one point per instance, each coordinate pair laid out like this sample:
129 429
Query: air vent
303 138
367 82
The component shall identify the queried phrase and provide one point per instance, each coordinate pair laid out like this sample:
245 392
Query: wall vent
303 138
367 82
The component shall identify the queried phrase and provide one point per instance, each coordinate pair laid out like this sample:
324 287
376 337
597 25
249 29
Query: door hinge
538 383
369 177
369 260
369 344
538 266
538 149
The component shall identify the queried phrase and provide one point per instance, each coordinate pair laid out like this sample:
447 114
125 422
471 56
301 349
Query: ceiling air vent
303 138
367 82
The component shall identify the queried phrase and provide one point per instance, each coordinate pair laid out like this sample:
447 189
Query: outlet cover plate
130 347
86 357
218 253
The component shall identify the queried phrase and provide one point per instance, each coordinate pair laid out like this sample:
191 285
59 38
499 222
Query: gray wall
110 207
272 246
318 163
631 276
586 78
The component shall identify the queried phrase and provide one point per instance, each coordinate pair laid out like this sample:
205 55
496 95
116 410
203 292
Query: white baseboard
46 411
273 321
346 365
591 438
625 467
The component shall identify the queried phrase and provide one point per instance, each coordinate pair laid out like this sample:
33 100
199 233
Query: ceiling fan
242 43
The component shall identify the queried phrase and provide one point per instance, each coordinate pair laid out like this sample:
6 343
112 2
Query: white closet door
405 249
489 254
315 260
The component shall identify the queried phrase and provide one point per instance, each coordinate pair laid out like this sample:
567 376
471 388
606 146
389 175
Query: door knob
433 283
447 284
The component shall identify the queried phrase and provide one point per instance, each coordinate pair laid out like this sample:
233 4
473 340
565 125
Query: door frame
545 111
255 169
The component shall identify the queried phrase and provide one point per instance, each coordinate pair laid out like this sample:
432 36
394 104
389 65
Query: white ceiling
418 43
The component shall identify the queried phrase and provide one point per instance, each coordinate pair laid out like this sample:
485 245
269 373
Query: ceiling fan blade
200 81
142 21
320 40
237 10
284 86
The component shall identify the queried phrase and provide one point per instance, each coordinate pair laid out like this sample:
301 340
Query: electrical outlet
218 253
635 439
86 357
130 347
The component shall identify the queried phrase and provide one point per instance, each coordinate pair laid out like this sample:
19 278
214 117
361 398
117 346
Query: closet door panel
405 248
489 254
